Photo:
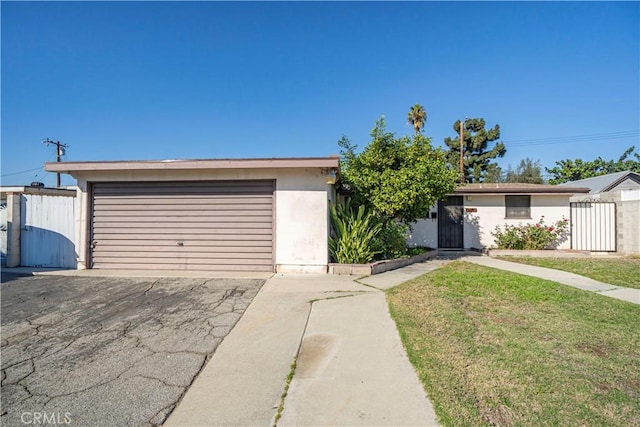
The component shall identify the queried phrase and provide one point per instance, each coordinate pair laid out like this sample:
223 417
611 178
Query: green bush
391 241
354 234
530 236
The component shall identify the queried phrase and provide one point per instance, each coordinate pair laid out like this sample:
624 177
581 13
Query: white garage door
208 225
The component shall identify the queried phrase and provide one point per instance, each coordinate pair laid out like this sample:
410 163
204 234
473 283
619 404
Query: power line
18 173
575 138
42 171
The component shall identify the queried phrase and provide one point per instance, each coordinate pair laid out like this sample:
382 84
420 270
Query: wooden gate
593 226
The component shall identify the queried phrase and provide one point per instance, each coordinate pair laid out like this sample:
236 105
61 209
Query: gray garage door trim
186 225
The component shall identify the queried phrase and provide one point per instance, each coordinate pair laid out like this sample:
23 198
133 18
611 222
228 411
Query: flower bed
379 266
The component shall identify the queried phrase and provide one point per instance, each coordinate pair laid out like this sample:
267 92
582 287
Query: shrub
391 241
354 234
530 236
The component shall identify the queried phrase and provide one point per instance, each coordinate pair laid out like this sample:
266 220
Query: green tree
527 171
417 117
494 173
573 170
396 178
477 154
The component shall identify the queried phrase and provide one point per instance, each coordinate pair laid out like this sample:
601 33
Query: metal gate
593 226
47 235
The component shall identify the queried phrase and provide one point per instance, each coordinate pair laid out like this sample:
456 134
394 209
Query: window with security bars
518 207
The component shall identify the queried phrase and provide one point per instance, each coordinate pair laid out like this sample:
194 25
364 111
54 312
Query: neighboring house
38 227
609 215
218 214
626 180
466 219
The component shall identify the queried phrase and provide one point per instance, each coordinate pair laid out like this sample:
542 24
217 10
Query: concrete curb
550 253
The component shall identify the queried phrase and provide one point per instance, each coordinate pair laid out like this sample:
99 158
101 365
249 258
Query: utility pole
462 152
59 153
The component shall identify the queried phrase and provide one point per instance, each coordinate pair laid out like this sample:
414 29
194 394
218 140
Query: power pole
462 152
59 153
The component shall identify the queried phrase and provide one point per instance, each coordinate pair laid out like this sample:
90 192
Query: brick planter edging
379 266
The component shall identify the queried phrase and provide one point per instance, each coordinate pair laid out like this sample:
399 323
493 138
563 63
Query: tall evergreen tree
528 171
477 154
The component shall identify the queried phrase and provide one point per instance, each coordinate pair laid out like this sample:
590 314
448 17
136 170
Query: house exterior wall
628 222
490 212
13 230
627 184
300 199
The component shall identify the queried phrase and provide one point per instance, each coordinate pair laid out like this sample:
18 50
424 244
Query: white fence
593 226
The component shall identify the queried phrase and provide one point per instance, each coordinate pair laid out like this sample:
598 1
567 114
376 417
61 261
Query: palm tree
417 117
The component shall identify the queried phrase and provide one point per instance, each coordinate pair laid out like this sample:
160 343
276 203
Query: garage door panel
153 261
170 246
184 267
178 192
244 227
174 256
126 205
218 224
183 237
165 221
179 199
178 214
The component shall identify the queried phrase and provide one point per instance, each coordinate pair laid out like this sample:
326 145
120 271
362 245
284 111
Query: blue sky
165 80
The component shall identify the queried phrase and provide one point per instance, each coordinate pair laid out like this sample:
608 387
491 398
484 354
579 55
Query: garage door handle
180 243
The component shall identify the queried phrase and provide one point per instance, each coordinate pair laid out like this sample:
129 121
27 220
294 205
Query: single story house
466 218
608 216
37 227
207 214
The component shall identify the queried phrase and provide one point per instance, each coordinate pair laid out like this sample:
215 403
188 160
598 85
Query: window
517 206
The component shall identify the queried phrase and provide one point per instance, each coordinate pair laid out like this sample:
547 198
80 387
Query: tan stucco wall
301 204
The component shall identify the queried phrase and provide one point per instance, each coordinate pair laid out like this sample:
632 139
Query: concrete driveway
109 351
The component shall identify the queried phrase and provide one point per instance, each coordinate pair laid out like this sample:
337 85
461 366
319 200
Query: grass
287 383
497 348
615 271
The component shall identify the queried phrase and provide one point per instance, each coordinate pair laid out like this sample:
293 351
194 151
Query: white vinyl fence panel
593 226
48 231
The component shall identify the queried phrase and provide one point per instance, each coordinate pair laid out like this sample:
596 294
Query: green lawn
497 348
615 271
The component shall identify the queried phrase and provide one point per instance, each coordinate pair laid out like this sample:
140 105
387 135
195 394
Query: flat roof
258 163
26 189
517 188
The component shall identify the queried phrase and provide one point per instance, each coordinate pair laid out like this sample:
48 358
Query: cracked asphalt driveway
109 351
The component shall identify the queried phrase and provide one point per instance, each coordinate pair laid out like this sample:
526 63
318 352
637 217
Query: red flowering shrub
531 236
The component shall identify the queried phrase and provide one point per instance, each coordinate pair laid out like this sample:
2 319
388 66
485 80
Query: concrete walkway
566 278
351 366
